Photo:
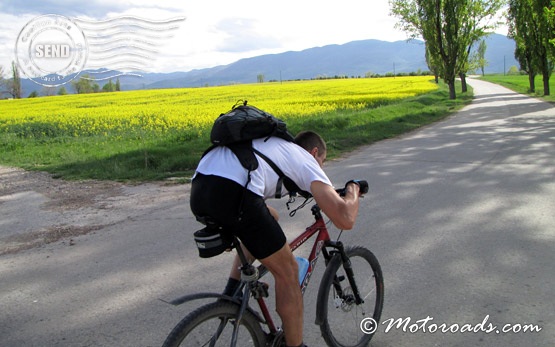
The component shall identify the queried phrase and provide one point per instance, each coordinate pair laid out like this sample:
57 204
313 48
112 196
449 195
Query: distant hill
350 59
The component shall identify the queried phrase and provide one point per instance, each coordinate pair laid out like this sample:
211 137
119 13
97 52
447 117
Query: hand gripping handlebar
362 184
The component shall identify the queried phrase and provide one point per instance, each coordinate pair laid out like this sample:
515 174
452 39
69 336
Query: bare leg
289 300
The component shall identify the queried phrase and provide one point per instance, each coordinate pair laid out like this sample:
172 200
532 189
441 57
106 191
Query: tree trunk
546 83
532 82
463 82
452 93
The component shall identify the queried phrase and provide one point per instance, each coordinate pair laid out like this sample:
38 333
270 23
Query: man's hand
363 185
341 210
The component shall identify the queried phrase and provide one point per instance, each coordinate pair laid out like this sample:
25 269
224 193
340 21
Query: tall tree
109 87
482 22
62 91
2 81
550 15
83 85
481 61
525 57
15 82
424 19
450 29
433 64
530 27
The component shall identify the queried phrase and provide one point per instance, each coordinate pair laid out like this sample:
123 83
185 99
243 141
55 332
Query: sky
217 32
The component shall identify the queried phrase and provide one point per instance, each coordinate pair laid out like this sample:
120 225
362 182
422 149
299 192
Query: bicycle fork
347 266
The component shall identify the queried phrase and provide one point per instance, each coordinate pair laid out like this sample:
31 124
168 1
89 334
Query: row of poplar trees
532 26
450 29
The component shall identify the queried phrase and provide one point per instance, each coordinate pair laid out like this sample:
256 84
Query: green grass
520 84
150 157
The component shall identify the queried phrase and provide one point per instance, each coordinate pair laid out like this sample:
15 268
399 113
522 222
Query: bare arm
341 210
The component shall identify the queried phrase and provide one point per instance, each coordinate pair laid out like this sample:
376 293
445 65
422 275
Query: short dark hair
309 139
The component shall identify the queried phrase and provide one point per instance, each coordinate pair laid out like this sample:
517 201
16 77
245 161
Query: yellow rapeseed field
194 109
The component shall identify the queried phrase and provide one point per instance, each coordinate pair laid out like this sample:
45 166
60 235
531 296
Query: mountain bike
351 290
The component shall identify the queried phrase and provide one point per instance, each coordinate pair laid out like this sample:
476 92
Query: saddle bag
211 241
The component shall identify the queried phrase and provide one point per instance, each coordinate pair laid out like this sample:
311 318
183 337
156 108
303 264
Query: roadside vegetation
155 134
521 84
453 32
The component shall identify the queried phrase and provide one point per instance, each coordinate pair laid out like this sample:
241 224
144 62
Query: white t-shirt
295 162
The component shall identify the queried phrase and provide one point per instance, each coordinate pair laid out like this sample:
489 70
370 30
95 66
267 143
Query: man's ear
314 151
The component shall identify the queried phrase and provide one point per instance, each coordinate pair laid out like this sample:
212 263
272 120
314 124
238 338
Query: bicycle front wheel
213 324
340 317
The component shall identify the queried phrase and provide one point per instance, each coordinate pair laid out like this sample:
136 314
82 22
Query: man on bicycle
218 192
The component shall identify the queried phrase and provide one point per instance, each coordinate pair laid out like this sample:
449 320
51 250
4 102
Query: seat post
237 246
249 273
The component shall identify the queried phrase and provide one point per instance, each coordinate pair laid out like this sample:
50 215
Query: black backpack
237 128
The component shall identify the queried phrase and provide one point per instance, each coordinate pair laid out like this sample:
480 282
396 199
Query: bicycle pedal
265 285
260 290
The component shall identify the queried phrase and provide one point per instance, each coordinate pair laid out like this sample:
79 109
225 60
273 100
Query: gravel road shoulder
37 209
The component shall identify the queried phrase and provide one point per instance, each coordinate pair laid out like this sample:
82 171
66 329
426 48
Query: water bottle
303 267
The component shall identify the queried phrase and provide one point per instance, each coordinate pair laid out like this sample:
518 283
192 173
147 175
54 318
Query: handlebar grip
364 187
362 184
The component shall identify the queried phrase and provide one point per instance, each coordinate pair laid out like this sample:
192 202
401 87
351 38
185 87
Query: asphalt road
460 215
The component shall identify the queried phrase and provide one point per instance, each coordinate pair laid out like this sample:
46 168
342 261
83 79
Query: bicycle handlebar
362 184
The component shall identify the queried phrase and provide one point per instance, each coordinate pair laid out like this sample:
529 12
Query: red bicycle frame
319 226
323 237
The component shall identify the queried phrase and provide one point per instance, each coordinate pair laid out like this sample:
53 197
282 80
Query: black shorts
222 200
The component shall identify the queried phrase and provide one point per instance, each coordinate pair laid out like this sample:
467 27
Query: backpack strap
244 151
283 180
278 171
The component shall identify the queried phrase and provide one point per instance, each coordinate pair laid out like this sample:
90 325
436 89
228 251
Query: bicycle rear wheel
212 325
340 317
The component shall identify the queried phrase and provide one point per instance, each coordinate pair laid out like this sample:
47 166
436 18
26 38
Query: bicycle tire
339 317
200 328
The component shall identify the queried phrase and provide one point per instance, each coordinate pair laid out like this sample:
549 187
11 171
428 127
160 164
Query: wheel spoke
341 325
214 325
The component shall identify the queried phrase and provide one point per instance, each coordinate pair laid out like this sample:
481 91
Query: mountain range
356 58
